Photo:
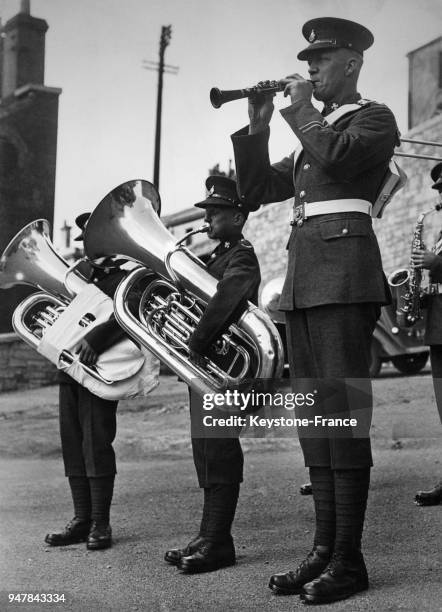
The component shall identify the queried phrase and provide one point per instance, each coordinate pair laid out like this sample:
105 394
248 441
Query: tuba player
88 426
219 461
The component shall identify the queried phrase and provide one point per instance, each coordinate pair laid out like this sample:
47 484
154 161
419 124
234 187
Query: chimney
23 50
25 7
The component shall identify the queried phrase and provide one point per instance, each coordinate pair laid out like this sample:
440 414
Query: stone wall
425 82
21 367
395 229
268 230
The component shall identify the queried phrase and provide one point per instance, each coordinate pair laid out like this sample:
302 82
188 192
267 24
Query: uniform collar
225 246
331 106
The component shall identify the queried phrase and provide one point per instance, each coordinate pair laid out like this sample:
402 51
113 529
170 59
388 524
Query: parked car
403 347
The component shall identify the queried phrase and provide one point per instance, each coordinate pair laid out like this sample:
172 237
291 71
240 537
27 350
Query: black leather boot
433 497
77 530
208 557
100 537
174 555
292 582
344 576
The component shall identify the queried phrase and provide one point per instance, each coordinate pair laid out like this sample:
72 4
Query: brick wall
269 230
395 230
21 367
425 86
28 131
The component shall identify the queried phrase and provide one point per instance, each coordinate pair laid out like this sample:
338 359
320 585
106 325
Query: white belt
311 209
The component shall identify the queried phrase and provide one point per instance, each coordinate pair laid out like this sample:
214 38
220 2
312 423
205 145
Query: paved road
157 505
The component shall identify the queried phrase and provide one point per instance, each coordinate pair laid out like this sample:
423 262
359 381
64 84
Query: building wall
395 229
28 137
425 86
268 230
21 367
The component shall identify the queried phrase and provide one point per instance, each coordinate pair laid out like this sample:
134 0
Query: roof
183 216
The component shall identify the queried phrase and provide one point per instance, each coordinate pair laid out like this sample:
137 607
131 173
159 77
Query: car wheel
375 359
410 364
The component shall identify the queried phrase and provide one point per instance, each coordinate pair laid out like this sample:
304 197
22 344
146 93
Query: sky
95 51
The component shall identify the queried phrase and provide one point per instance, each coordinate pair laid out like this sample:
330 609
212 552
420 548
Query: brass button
306 166
301 194
345 230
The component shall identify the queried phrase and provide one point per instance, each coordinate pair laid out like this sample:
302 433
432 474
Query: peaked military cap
334 33
81 221
436 175
222 192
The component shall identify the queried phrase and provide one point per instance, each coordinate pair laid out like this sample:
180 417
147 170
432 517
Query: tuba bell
177 291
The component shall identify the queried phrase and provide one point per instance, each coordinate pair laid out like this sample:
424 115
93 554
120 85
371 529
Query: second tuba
30 259
178 289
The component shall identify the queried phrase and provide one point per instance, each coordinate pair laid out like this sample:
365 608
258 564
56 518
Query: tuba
177 289
30 259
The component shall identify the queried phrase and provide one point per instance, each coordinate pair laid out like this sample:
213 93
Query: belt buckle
298 215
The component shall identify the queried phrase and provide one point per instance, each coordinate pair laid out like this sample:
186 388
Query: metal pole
416 156
430 143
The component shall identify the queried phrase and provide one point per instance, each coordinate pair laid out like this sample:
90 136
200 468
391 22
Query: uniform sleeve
236 286
105 335
109 333
368 140
258 181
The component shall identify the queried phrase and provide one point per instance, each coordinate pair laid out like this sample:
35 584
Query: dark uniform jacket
333 258
433 327
236 266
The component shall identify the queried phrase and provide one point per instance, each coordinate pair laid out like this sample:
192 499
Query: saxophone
406 283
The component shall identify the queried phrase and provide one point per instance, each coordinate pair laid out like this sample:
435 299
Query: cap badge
334 106
312 36
212 190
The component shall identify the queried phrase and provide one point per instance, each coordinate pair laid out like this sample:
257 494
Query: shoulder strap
343 110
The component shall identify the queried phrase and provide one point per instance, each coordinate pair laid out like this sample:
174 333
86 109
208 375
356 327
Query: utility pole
66 229
161 67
